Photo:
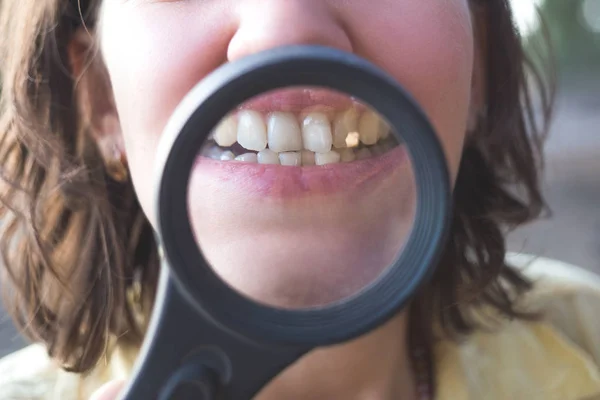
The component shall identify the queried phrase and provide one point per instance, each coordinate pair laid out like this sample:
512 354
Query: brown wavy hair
73 240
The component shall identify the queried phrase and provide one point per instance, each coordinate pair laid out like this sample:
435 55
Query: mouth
301 198
301 142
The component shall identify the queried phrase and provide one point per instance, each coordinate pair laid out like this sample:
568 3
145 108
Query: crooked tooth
248 157
267 156
331 157
284 132
384 130
369 127
226 132
227 156
308 157
347 155
293 158
363 153
251 132
344 124
316 133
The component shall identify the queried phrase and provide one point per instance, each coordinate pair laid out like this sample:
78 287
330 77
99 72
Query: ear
95 100
478 102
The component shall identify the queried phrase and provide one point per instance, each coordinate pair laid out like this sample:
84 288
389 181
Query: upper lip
297 100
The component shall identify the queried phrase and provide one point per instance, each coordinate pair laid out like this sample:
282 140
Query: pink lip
297 100
277 181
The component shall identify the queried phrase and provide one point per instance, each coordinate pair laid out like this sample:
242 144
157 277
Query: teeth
369 126
248 157
363 153
293 159
308 157
344 123
331 157
226 132
252 132
384 131
267 156
316 133
347 155
284 132
227 156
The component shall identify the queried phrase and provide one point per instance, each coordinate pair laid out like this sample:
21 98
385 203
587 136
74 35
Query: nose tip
267 24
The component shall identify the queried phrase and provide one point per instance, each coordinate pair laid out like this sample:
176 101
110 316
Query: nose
266 24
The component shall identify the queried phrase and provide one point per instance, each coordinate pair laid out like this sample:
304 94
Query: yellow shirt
554 359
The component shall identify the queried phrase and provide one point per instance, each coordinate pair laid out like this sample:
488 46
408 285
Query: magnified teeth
384 130
363 153
368 127
347 155
331 157
248 157
252 131
284 132
267 156
314 136
293 159
316 133
226 132
227 156
344 123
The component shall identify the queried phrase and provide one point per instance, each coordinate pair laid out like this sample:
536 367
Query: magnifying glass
302 200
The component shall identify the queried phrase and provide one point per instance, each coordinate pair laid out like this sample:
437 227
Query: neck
375 366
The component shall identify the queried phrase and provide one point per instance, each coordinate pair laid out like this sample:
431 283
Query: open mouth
300 142
314 136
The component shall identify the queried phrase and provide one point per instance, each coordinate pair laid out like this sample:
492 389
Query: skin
156 51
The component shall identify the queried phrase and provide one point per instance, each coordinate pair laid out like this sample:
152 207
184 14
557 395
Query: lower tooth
293 159
347 155
248 157
331 157
267 156
227 156
308 157
363 153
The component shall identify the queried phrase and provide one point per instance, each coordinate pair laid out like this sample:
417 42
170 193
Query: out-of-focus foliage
574 27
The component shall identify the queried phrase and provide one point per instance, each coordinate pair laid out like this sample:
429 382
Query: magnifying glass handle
186 355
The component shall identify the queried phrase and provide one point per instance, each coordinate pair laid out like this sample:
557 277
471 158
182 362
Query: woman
86 93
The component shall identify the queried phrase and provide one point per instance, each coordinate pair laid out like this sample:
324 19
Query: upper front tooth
267 156
252 132
316 133
226 132
369 126
284 132
344 123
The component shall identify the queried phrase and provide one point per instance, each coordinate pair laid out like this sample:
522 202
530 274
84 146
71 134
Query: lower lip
276 181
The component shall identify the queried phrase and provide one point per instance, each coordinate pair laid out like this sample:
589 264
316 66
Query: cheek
429 49
155 55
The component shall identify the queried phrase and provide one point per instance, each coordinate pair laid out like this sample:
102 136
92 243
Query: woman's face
289 235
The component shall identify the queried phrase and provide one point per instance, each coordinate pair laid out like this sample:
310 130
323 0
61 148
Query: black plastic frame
237 82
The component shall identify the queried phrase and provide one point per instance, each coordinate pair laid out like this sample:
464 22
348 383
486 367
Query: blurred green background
572 176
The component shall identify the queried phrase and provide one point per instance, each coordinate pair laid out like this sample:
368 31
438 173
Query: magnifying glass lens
302 197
